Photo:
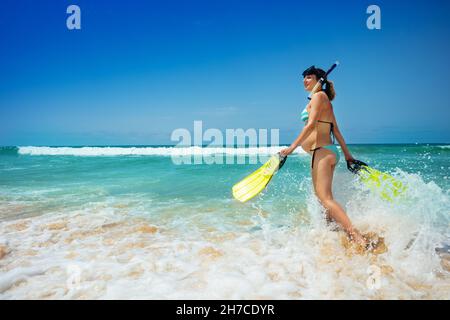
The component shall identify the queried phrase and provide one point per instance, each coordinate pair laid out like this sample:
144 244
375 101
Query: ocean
131 223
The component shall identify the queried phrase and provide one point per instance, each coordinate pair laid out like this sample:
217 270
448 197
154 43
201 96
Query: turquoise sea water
178 231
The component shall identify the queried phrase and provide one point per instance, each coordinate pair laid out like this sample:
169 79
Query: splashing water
131 224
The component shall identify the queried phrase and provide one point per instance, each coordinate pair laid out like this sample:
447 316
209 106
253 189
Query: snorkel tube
322 79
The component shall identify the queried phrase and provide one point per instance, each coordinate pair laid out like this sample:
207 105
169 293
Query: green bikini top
305 115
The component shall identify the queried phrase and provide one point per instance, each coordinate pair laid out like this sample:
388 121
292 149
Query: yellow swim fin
253 184
382 183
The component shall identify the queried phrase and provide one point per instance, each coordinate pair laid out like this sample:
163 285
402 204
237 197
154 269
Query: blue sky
137 70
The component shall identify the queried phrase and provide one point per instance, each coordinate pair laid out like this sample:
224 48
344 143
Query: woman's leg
322 174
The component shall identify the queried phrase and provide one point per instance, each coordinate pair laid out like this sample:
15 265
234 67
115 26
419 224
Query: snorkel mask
319 73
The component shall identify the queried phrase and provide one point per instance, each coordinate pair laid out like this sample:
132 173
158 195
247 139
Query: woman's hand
349 158
287 151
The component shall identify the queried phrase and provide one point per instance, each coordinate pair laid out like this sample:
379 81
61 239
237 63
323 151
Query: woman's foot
375 243
357 238
362 244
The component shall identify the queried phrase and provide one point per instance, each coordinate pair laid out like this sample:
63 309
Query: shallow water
107 223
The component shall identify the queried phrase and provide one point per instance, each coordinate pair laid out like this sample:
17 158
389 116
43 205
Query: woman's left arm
340 138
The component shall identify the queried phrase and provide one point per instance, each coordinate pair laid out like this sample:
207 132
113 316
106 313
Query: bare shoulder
320 97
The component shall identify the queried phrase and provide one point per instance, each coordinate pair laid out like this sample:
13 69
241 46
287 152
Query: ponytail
329 89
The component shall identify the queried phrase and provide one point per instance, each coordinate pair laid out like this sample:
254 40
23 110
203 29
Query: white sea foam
149 151
106 251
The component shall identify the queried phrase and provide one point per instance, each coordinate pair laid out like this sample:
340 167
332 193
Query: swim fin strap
388 187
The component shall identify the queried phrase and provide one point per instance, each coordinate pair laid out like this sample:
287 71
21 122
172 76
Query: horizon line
207 146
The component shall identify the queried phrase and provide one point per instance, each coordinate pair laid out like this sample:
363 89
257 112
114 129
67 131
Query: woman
315 138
